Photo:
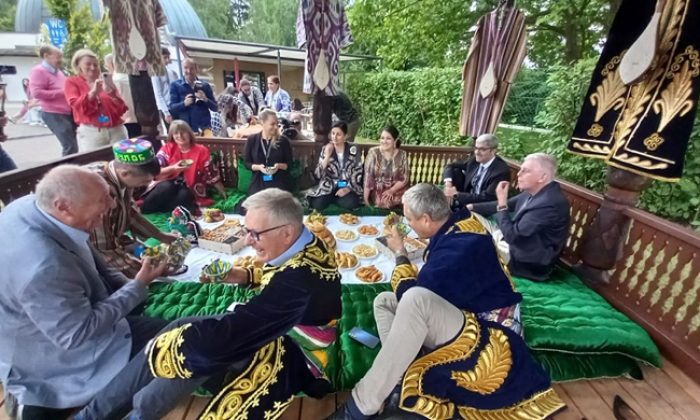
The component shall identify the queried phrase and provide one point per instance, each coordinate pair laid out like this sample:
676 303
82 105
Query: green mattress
571 330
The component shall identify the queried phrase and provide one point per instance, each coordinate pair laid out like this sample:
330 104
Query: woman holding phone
269 156
339 172
96 104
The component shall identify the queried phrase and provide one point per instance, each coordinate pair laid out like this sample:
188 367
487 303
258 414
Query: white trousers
91 137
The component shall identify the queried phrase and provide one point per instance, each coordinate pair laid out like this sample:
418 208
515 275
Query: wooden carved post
146 110
322 116
603 241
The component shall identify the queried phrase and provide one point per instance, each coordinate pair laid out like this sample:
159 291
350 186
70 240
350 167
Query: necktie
476 181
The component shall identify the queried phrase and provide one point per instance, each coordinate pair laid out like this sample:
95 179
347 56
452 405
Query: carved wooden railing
656 282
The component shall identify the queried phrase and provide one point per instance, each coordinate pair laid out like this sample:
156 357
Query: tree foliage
410 33
7 19
262 21
83 31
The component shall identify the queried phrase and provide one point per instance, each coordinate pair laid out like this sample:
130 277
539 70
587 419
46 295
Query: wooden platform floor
665 394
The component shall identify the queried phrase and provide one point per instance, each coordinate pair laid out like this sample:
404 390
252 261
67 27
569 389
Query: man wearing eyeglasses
475 180
269 346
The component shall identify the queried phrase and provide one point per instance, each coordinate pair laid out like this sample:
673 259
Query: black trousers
349 201
167 195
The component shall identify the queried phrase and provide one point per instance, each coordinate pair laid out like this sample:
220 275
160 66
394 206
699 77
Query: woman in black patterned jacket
339 170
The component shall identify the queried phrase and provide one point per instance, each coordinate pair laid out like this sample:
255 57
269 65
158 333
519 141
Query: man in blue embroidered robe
269 349
462 310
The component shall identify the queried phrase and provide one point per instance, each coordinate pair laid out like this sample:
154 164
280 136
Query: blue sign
58 33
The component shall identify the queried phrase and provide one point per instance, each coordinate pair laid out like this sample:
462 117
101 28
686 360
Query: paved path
29 146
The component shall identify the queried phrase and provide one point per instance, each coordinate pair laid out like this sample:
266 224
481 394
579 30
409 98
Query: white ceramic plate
367 235
362 257
369 282
353 239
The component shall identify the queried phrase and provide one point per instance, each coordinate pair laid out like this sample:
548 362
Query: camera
288 129
198 86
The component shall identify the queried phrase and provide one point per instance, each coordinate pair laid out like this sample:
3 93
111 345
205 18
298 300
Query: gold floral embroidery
492 367
540 406
403 272
317 259
675 99
278 409
164 357
469 225
595 131
601 150
653 142
236 399
460 349
609 94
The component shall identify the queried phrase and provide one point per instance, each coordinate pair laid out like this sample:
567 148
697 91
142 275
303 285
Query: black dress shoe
622 410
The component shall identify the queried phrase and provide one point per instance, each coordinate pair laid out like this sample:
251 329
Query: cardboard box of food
227 238
414 246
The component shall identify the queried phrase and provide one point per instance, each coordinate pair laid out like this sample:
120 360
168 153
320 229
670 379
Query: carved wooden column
322 117
146 110
603 241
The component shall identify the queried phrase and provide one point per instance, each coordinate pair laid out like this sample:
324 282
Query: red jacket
87 111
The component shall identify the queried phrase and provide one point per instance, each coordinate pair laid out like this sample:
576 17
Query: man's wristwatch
501 208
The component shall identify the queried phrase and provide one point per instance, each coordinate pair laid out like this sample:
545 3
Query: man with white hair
268 347
461 308
475 180
534 223
66 328
191 100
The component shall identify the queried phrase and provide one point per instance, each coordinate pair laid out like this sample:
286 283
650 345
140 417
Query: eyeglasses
296 122
256 235
483 149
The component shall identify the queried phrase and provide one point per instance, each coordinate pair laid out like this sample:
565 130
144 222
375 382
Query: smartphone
364 337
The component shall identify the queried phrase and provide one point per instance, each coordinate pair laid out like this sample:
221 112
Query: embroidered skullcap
133 151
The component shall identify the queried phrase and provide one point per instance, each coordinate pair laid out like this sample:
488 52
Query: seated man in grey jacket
66 329
534 223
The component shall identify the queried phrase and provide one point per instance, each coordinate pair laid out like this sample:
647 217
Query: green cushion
245 175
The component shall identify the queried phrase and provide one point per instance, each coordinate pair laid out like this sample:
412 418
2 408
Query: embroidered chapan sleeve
209 345
355 175
301 25
403 277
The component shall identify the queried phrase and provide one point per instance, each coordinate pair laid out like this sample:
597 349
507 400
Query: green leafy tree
410 33
271 22
7 19
216 17
83 31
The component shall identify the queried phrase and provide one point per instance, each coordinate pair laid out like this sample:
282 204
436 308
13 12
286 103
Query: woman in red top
186 172
95 102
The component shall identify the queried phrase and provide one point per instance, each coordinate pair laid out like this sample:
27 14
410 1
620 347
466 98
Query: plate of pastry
364 251
349 219
369 274
346 260
368 231
346 235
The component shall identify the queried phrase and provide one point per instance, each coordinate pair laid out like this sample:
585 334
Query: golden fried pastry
345 259
413 244
214 215
322 232
349 219
247 262
346 235
315 216
368 230
369 274
365 251
228 229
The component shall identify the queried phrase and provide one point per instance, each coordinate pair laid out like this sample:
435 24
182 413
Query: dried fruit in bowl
315 216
